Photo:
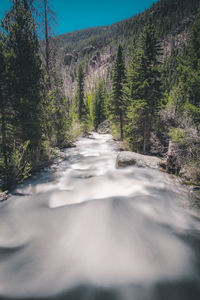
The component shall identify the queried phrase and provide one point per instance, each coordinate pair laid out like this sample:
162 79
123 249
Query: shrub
18 167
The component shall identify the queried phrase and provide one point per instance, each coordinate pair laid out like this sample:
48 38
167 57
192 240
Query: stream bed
84 230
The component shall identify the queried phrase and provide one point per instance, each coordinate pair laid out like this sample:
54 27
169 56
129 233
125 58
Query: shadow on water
163 291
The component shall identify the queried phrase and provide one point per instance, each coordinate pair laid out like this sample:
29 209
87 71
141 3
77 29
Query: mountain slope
96 47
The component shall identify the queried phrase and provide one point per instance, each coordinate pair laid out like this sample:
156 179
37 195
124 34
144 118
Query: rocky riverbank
128 158
169 164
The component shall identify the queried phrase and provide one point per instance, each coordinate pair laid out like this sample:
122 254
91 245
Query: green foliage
79 110
194 113
21 40
55 118
167 16
194 45
98 107
143 90
18 166
135 127
118 106
176 100
169 72
178 135
186 95
30 108
80 93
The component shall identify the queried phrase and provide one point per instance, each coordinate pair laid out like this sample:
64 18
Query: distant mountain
95 47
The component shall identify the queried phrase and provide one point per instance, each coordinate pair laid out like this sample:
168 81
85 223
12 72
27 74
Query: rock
104 127
172 164
92 63
68 59
190 172
97 57
128 158
88 49
125 159
163 165
4 196
69 144
95 60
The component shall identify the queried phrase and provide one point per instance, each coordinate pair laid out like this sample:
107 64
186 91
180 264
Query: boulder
69 144
95 60
88 49
4 196
104 127
68 59
128 158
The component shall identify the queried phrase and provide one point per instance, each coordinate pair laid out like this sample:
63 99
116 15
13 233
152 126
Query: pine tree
80 92
47 21
21 40
189 76
118 80
99 114
136 105
4 103
144 86
32 117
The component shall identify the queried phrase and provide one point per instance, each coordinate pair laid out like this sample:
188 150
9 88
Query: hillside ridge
95 47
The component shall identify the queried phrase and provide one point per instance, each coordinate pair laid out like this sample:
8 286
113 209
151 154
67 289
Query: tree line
32 106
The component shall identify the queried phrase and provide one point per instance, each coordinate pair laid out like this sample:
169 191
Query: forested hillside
167 15
96 47
142 74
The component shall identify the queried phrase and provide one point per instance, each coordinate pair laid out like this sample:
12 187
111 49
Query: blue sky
79 14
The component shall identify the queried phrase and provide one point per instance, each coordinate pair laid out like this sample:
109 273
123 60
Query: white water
86 230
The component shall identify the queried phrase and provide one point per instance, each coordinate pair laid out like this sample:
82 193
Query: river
84 230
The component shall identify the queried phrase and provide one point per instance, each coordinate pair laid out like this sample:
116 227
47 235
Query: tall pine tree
80 92
99 111
23 43
118 80
144 89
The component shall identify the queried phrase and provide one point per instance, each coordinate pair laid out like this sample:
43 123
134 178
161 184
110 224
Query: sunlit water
84 230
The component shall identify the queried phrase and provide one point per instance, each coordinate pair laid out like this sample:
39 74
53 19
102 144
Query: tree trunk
121 127
147 134
46 36
3 132
144 141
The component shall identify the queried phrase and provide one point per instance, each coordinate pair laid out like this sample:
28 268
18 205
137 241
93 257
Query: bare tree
47 18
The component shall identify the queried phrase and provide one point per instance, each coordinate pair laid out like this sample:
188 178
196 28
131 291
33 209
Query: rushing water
85 230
